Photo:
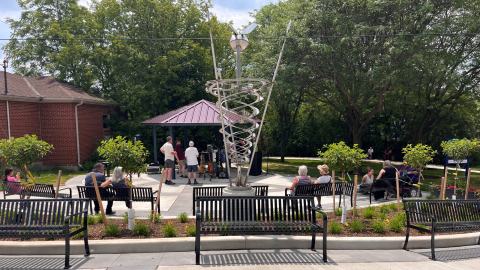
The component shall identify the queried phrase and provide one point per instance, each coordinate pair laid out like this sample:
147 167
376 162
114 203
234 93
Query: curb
230 243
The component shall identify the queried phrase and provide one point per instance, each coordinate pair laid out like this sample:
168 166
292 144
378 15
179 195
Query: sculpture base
238 191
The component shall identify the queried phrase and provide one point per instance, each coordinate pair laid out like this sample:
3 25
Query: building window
106 117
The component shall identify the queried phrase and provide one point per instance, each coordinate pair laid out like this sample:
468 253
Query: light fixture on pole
5 66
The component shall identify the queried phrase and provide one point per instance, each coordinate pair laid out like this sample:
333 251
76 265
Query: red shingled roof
45 88
199 113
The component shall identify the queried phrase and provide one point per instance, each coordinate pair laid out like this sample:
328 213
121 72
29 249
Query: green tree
459 150
341 157
418 157
22 152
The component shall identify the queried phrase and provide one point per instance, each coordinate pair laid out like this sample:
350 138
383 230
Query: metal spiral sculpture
236 100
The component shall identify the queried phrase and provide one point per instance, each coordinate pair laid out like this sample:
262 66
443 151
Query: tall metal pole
266 105
219 96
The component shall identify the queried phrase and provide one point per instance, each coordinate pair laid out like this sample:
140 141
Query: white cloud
239 18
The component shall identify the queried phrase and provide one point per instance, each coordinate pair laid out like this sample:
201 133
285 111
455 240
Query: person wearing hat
323 179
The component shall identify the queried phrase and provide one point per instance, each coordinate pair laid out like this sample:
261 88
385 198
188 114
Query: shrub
112 229
382 216
335 227
338 211
91 220
431 197
378 226
158 218
140 228
319 215
356 226
191 230
125 217
99 218
369 212
393 207
384 209
397 224
169 230
183 217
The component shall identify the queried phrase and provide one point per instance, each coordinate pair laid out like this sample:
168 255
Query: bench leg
67 246
433 244
313 241
85 240
406 238
197 248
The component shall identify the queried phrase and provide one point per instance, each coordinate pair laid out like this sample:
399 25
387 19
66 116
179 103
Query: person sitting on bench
388 172
118 180
302 179
323 179
408 171
103 183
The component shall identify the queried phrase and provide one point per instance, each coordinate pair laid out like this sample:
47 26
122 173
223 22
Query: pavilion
200 113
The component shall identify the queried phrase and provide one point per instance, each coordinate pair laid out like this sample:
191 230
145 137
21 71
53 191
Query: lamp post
5 66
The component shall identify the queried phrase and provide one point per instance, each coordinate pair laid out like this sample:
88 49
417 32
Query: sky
226 10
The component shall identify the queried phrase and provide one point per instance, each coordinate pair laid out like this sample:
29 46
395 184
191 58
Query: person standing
370 152
388 153
103 183
191 154
180 155
167 150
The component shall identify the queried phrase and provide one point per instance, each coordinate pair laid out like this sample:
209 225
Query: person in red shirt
180 155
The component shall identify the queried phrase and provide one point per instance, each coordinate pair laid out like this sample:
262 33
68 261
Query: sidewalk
276 259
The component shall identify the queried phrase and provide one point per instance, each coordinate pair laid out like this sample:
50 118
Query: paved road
460 258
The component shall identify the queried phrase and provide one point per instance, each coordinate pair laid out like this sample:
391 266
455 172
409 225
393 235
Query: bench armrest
66 189
286 192
155 192
79 214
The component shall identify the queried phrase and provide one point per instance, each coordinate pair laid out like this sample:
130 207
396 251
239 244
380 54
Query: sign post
158 198
58 183
99 198
333 189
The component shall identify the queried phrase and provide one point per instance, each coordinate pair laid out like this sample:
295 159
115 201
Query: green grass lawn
290 166
51 176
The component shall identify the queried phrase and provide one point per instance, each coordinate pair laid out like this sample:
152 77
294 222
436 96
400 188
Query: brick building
57 112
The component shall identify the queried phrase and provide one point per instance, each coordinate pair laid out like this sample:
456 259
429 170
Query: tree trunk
284 140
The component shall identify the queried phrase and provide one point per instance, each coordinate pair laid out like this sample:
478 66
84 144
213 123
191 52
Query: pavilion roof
200 113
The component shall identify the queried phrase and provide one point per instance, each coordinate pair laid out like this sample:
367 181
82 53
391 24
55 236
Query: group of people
387 172
189 157
386 155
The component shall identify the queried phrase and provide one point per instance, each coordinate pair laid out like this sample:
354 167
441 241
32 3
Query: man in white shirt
167 150
191 154
370 152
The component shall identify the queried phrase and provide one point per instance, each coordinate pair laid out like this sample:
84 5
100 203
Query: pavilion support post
185 138
172 134
155 160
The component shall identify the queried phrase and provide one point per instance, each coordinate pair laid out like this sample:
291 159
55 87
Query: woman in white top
367 179
323 179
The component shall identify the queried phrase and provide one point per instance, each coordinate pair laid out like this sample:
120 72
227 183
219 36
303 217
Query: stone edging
231 242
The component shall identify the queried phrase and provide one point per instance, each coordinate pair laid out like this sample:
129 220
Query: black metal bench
441 216
139 194
37 190
258 215
218 191
318 190
52 218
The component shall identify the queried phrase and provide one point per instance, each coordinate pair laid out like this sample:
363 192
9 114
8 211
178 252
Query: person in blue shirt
102 183
408 171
